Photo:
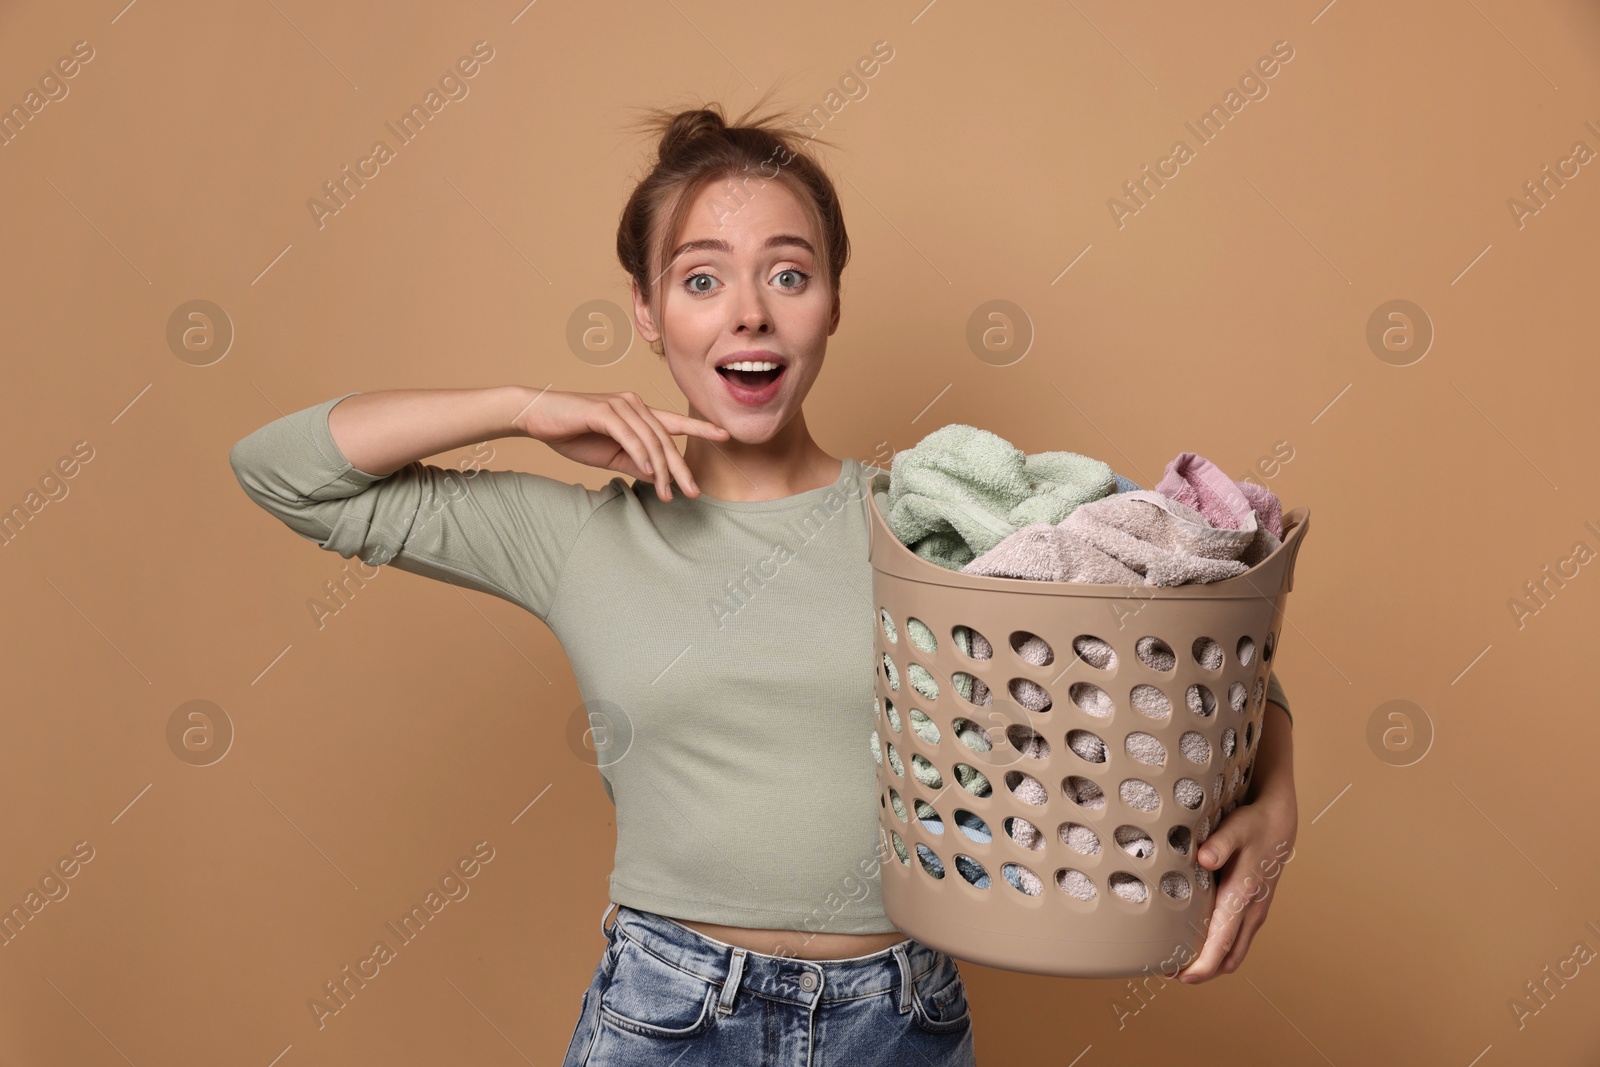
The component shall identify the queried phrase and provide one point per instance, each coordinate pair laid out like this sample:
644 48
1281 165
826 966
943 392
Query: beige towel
1136 538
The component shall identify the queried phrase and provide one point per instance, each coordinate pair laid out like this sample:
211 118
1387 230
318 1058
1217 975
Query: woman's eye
801 277
689 283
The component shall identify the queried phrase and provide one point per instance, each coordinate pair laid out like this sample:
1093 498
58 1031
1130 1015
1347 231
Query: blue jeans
665 994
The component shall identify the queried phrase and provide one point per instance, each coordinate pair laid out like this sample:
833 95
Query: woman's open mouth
752 387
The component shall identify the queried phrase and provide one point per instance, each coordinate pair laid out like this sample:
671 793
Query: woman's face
744 277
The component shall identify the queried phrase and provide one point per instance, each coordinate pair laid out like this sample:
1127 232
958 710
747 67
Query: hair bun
687 127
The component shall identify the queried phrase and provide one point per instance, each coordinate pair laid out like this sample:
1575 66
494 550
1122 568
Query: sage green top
723 650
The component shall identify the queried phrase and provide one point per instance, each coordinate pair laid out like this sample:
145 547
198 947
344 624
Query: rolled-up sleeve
502 532
1276 695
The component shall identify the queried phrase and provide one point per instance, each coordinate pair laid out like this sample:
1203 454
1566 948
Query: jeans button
808 981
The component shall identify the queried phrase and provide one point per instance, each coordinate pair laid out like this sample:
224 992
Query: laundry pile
968 500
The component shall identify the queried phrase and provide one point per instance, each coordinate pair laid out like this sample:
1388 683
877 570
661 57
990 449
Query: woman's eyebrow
717 244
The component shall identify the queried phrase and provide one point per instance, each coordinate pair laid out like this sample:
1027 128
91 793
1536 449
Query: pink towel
1201 484
1137 538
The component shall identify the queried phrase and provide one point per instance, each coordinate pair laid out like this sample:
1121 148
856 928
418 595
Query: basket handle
1298 524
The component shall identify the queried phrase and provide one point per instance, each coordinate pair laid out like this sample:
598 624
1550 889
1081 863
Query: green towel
961 490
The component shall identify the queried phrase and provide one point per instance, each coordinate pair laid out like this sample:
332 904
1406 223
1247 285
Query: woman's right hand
617 431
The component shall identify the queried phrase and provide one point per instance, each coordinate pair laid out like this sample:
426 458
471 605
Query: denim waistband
895 969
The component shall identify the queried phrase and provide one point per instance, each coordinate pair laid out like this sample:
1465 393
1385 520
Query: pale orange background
1228 315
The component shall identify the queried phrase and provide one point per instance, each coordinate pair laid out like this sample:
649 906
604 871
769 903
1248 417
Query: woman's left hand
1250 845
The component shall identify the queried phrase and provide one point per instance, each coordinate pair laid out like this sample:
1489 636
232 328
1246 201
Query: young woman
721 634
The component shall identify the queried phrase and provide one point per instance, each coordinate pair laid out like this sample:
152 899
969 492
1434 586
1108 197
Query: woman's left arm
1248 850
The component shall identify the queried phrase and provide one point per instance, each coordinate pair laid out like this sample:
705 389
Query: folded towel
1201 484
1134 538
961 490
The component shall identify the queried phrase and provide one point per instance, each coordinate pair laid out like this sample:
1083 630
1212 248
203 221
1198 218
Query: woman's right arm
381 432
507 533
504 532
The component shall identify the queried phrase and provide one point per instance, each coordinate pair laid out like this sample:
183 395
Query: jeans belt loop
899 952
730 984
610 904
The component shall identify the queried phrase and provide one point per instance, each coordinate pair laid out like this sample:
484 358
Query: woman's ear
643 320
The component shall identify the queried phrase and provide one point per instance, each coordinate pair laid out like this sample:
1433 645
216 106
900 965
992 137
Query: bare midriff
799 944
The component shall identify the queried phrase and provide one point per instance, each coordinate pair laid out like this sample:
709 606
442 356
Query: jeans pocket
650 997
939 999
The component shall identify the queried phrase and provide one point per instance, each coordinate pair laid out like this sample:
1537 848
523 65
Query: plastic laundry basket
1111 855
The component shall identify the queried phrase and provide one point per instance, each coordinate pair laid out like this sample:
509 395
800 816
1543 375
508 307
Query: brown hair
698 147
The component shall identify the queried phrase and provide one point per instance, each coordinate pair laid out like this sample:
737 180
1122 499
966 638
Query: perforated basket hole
1208 654
919 635
890 673
975 828
1079 838
1195 747
1178 838
877 749
1202 830
1027 788
1175 885
1139 794
889 631
1202 876
895 765
1028 741
1022 879
1129 887
971 643
1249 735
892 715
1145 748
1233 781
925 771
1216 788
1236 695
973 780
900 848
1075 883
1032 648
972 871
930 862
1029 694
971 689
1082 792
1187 791
1024 833
1261 689
1134 841
972 735
922 681
1229 739
1201 700
1150 702
1246 650
1094 652
1088 746
924 727
928 815
1091 698
898 805
1155 654
1272 643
